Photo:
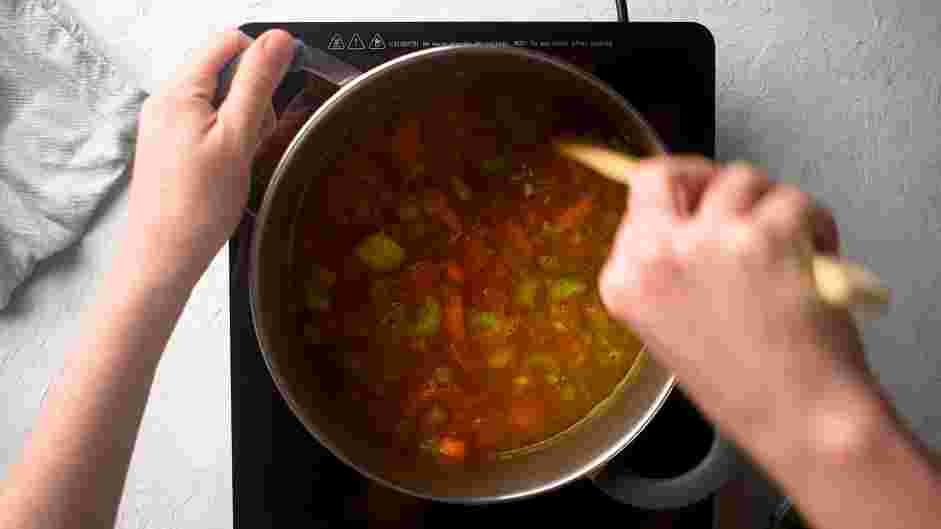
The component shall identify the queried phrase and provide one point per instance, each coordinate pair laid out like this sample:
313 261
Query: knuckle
629 283
793 213
747 240
750 176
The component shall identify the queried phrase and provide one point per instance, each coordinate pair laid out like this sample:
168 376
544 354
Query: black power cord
622 10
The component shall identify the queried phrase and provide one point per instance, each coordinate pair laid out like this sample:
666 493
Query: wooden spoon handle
839 283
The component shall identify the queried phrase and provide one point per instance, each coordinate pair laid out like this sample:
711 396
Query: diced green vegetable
526 291
428 318
542 361
501 357
485 321
380 252
495 166
553 378
566 287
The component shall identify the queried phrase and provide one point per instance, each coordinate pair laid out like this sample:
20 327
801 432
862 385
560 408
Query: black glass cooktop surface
282 477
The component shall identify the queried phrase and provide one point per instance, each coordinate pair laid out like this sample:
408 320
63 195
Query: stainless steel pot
364 100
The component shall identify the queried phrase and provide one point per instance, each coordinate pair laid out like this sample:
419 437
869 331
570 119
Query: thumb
259 73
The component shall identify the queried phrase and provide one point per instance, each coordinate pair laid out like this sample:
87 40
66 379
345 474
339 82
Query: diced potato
520 383
443 375
526 291
568 393
380 252
436 416
549 262
501 357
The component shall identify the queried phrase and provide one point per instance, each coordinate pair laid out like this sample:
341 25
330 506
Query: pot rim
323 111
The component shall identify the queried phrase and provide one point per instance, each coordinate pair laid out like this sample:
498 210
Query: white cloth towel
67 129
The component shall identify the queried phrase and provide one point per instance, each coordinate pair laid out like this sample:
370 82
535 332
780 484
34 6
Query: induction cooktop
282 476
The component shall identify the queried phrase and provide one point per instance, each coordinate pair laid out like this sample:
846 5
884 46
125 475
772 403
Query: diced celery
428 319
485 321
542 361
495 166
566 287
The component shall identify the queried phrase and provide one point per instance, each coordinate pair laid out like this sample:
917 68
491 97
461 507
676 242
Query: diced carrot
408 140
494 299
574 245
454 317
569 345
454 271
571 216
452 447
528 415
516 235
490 430
475 254
532 215
436 206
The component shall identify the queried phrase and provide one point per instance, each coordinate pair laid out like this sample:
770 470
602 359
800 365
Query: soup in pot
450 260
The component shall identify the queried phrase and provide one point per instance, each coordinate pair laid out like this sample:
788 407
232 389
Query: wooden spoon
840 283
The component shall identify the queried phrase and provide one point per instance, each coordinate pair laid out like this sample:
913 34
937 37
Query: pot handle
307 59
721 463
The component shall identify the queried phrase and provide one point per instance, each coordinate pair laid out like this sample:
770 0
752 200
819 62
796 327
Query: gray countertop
841 97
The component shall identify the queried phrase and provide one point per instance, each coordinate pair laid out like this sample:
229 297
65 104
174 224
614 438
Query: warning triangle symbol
336 42
377 42
356 43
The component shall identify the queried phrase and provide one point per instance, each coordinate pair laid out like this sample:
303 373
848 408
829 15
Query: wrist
159 259
842 424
